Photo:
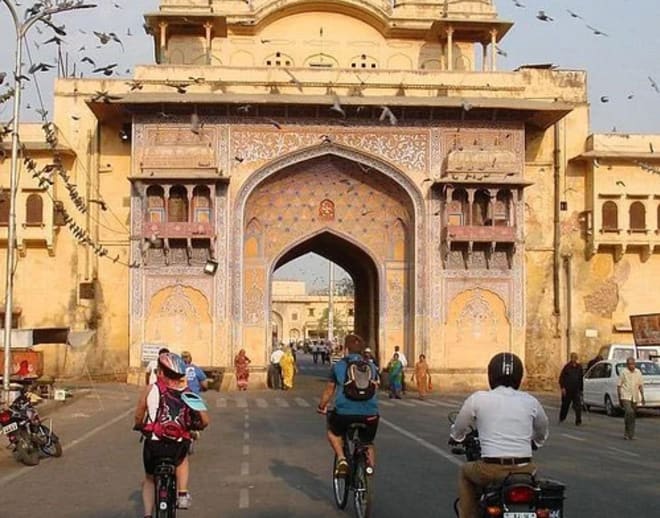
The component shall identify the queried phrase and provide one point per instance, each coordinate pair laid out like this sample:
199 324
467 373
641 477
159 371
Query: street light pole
331 302
21 30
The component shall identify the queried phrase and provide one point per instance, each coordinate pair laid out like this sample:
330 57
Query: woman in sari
241 364
288 365
395 371
422 376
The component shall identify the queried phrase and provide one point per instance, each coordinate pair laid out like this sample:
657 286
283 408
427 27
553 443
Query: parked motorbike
28 437
519 495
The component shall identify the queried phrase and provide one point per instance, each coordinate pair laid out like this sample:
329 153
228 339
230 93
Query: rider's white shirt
507 420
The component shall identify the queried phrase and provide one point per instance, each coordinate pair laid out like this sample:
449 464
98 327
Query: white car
601 380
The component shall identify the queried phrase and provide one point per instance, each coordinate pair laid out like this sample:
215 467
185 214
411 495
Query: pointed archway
361 267
342 192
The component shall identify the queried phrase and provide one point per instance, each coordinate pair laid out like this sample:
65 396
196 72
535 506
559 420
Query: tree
339 322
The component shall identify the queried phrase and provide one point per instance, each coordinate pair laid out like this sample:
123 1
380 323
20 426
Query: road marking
67 447
385 402
246 425
281 402
425 403
241 403
221 403
301 402
574 437
262 403
402 402
619 450
246 436
245 469
246 449
244 499
445 404
431 447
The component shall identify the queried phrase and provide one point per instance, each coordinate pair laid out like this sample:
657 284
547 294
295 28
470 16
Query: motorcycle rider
508 421
166 420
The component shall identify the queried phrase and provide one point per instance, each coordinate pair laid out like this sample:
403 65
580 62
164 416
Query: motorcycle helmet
505 369
172 365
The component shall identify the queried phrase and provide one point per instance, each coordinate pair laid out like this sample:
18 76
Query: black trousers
571 397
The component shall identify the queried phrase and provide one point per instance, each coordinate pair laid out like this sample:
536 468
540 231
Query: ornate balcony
178 230
479 234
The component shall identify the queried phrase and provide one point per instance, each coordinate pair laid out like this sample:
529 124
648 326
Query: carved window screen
34 210
637 216
610 214
457 209
177 204
501 210
480 208
4 207
201 204
155 204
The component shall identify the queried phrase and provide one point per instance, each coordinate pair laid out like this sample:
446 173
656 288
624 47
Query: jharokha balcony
479 233
178 230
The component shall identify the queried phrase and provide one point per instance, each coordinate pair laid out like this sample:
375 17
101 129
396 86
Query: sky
618 65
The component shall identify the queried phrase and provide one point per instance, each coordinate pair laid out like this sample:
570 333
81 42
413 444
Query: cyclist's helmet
172 364
505 369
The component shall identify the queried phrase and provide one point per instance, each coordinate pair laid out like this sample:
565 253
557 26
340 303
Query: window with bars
610 216
637 216
34 210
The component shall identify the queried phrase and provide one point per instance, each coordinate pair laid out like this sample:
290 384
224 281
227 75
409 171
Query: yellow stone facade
472 206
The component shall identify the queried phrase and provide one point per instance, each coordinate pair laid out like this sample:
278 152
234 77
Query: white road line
283 403
445 404
221 403
574 437
246 436
67 447
241 403
246 425
301 402
431 447
424 403
245 469
385 402
244 499
403 402
246 449
261 402
619 450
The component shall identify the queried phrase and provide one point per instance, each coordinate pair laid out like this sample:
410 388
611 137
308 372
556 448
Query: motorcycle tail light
5 417
520 495
543 513
493 510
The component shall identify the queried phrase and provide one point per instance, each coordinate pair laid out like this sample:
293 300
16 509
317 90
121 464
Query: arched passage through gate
359 265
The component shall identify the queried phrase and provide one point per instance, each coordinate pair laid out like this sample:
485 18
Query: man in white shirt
508 421
276 370
631 391
152 367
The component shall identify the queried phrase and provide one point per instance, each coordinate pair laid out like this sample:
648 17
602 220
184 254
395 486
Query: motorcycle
519 495
28 437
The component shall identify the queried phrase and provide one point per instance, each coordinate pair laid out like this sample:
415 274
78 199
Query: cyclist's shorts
338 424
153 451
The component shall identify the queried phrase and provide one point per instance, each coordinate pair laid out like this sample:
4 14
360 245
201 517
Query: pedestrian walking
594 361
395 374
404 363
422 376
631 392
572 385
242 369
288 365
275 369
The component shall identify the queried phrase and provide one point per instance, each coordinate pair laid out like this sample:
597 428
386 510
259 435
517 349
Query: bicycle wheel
339 488
165 497
363 489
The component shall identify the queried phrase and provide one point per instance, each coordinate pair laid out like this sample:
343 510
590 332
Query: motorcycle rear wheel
26 452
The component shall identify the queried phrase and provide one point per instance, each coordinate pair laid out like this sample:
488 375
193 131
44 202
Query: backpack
173 417
359 384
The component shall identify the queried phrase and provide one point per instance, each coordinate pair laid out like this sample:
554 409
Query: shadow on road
300 479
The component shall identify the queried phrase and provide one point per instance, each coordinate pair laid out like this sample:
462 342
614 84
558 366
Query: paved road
265 456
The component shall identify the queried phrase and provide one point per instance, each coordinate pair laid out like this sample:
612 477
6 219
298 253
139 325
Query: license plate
10 428
519 515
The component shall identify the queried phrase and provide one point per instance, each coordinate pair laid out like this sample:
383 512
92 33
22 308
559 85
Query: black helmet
505 369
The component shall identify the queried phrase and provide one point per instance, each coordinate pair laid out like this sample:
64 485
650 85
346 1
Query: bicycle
359 478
